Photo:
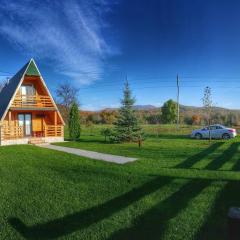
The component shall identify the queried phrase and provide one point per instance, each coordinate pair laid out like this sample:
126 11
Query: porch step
36 141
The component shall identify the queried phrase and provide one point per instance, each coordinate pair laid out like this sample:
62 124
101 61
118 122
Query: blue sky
95 44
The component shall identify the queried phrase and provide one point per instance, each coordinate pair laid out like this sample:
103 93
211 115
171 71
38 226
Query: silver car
217 131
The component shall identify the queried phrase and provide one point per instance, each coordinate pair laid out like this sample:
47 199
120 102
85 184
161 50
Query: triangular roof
10 89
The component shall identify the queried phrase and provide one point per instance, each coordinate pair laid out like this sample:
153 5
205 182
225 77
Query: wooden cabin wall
39 119
40 89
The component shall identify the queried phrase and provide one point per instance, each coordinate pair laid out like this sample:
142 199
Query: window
27 90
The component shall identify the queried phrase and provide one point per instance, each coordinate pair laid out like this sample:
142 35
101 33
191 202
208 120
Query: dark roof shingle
9 90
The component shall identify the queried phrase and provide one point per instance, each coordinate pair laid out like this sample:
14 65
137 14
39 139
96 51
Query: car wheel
198 136
226 136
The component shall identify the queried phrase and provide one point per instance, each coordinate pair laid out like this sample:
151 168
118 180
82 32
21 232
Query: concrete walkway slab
90 154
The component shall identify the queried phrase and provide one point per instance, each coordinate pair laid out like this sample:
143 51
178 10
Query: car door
219 131
205 132
213 131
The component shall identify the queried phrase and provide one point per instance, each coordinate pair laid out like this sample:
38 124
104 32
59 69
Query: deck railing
15 132
53 131
12 132
32 101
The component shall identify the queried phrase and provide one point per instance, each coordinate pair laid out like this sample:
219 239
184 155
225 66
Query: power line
6 72
157 87
149 81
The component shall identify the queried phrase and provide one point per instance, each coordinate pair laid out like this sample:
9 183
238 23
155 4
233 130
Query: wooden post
139 141
9 123
55 122
62 131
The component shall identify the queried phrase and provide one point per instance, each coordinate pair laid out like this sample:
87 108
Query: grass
178 189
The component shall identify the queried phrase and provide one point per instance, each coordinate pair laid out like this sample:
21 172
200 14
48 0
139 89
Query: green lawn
178 189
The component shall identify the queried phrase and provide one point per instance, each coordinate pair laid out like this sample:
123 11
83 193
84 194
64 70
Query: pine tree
126 125
74 122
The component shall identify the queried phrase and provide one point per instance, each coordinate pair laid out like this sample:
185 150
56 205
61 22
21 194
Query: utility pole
178 102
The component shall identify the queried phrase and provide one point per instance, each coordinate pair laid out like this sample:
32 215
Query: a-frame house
28 113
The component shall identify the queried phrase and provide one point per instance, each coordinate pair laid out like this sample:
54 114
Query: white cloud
69 34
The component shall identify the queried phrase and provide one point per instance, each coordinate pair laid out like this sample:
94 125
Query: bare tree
208 105
67 94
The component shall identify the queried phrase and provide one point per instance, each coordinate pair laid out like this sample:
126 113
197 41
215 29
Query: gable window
27 90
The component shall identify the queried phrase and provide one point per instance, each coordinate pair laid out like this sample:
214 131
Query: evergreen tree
126 125
74 122
169 111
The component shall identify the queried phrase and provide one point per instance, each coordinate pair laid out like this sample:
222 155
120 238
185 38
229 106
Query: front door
25 121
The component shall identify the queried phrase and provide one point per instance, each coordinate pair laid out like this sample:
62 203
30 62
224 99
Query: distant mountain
144 107
194 109
136 107
183 109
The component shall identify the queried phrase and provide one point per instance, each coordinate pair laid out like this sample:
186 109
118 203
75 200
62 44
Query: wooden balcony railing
12 132
15 132
32 101
53 131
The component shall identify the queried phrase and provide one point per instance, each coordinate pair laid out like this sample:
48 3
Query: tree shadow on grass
152 224
215 226
227 155
189 162
83 219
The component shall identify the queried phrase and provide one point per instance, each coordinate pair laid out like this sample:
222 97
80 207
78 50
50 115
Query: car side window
213 127
218 127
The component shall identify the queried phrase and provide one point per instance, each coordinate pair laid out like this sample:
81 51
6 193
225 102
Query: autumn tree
108 116
196 119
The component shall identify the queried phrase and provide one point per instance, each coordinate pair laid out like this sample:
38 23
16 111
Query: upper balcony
32 101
